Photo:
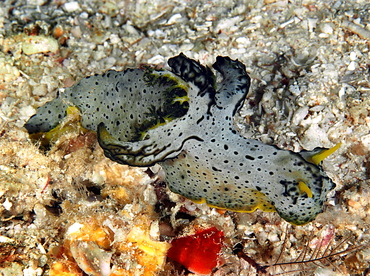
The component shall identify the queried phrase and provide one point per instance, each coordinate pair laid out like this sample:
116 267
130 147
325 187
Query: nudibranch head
183 120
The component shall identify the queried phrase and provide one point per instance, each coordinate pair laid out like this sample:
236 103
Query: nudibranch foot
251 201
143 155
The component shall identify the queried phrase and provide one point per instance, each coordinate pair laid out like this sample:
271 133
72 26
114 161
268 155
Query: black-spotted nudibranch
183 120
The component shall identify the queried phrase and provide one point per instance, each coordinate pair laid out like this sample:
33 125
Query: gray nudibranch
183 120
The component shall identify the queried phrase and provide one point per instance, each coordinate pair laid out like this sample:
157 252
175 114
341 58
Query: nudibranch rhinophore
183 120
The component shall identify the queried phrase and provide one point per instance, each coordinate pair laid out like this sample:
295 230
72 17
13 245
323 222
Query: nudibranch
183 120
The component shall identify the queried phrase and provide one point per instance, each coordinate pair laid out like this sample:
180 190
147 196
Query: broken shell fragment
39 44
93 260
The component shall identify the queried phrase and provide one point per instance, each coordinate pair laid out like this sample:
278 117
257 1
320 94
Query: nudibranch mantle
183 120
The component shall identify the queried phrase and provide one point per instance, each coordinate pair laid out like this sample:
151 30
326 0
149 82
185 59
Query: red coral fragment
199 252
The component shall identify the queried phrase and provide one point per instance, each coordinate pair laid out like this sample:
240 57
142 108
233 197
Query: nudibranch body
183 120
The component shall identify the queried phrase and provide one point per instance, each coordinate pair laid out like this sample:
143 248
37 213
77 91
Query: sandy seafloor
64 208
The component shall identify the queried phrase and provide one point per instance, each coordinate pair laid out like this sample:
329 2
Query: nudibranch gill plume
183 120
